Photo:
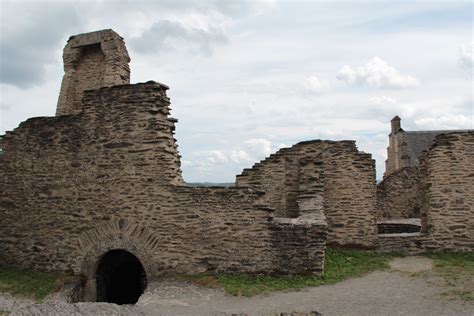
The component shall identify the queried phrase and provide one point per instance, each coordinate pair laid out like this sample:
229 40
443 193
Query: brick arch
114 235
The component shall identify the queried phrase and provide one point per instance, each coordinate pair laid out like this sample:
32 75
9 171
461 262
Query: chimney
395 124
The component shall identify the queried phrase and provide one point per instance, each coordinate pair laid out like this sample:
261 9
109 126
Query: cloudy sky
248 77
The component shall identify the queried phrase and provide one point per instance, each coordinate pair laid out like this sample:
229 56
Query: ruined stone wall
277 176
346 179
74 187
398 195
91 61
62 174
276 196
244 235
448 214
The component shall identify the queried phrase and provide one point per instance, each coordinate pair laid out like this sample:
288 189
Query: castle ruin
96 191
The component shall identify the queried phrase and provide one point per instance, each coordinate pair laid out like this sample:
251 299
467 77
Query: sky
249 77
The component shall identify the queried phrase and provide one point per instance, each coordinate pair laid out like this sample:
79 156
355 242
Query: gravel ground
413 264
378 293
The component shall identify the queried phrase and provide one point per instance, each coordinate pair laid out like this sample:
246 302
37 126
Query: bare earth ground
408 289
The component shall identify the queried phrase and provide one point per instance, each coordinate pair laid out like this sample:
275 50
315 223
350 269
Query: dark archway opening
120 278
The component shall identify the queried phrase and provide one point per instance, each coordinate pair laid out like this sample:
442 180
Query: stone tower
91 61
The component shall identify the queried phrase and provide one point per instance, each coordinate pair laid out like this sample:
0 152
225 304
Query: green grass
27 283
339 265
457 270
449 259
455 267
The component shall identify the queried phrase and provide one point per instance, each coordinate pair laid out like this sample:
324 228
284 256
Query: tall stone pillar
91 61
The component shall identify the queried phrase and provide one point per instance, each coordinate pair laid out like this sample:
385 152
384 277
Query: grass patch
27 283
467 296
345 264
449 259
339 265
457 270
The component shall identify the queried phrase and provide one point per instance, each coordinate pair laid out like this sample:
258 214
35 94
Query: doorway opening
120 278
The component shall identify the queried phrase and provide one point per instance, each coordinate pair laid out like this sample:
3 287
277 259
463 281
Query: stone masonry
104 175
91 61
398 195
445 191
74 187
342 178
434 183
448 208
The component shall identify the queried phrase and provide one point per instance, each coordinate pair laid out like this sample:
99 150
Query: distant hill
210 184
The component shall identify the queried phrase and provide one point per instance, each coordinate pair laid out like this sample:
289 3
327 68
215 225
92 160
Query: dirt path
413 264
379 293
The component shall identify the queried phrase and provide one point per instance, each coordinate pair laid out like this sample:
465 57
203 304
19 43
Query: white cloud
466 57
376 73
314 84
445 121
383 101
235 159
242 7
170 35
239 156
216 156
258 146
186 163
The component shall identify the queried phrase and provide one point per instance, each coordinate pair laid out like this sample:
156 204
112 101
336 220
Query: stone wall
398 195
448 211
412 243
74 187
443 186
91 61
60 175
245 235
337 178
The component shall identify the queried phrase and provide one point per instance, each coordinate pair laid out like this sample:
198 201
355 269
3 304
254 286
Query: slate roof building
407 147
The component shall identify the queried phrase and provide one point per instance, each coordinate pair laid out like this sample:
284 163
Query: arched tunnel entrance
120 278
